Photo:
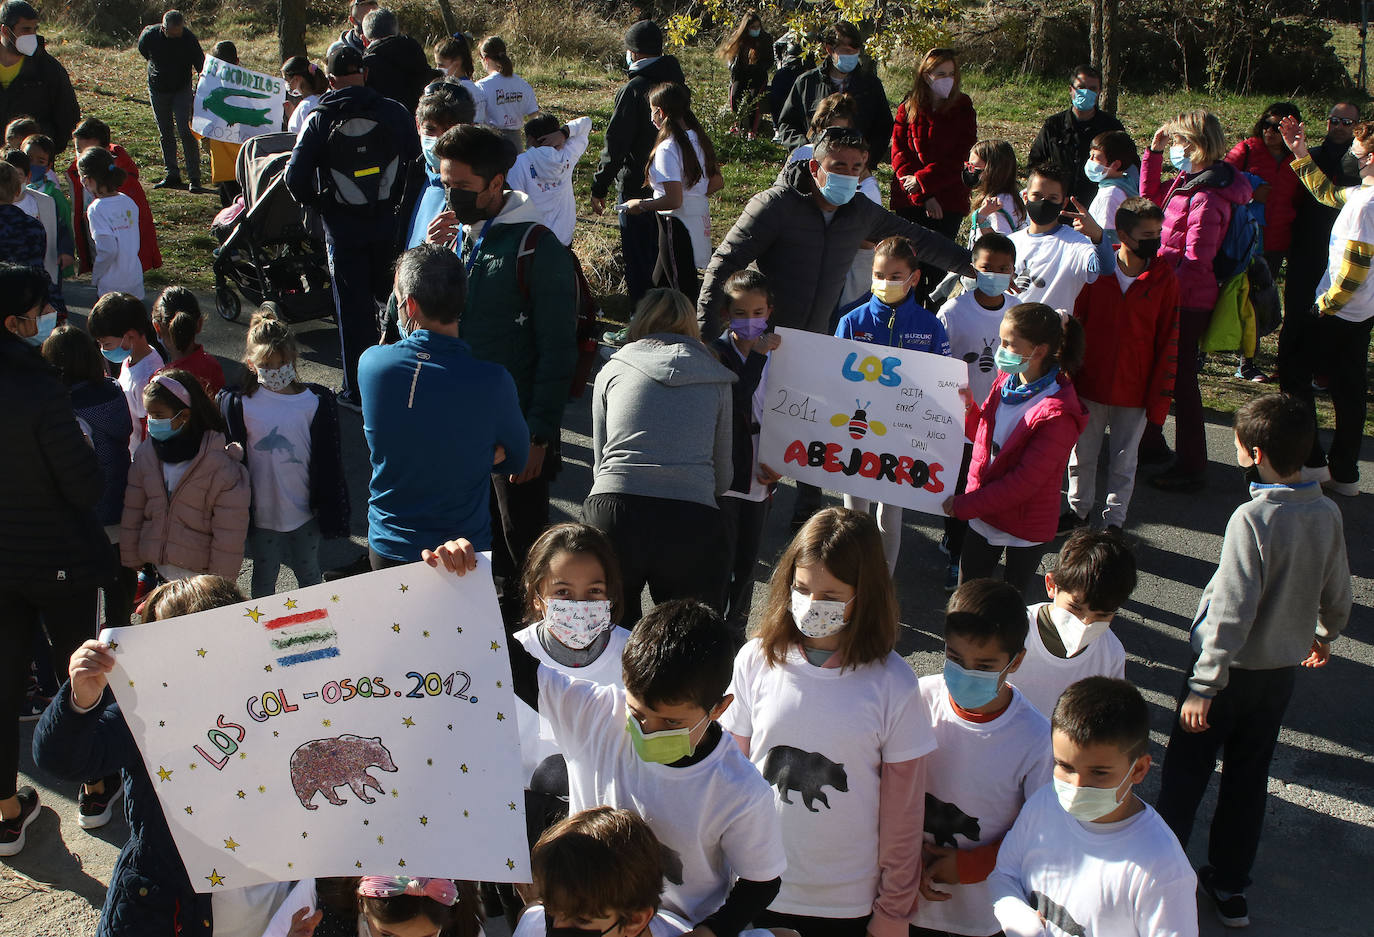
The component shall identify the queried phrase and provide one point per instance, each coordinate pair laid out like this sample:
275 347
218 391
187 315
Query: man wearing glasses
1307 257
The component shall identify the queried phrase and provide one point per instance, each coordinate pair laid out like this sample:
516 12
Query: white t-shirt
1129 879
1054 266
976 782
132 379
715 816
479 100
1354 223
758 491
1005 220
509 100
1105 203
1042 677
278 453
820 735
974 334
296 123
113 223
695 212
544 173
247 912
1008 419
536 735
1124 281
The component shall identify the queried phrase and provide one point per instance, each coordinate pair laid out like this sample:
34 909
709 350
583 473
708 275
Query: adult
173 52
936 127
654 480
1309 251
396 65
54 556
357 190
793 60
842 69
1333 335
1066 138
1197 210
32 82
416 390
353 36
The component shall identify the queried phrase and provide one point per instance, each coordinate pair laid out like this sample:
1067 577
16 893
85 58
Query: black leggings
815 926
978 560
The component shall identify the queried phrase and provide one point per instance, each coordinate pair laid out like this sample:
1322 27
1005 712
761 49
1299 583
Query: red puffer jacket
932 146
149 255
1281 205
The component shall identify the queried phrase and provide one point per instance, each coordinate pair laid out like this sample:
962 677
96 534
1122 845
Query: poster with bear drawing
880 423
364 726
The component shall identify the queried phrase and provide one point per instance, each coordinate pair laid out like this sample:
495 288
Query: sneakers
1247 371
34 704
170 182
348 399
197 189
1344 489
1231 909
616 338
12 831
952 576
1068 523
95 810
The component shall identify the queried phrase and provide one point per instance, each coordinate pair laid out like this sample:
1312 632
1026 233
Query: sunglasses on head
1343 121
841 135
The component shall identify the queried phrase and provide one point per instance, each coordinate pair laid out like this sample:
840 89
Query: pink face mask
576 624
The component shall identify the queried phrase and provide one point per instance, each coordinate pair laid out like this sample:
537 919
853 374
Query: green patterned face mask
661 748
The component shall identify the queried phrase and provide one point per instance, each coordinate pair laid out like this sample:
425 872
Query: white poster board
234 103
364 726
881 423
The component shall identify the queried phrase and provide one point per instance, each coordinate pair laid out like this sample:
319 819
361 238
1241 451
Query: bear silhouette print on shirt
1057 916
944 820
789 769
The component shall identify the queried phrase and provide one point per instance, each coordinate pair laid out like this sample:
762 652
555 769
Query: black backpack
364 165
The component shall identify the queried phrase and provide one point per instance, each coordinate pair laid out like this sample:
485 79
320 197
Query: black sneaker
95 810
34 704
349 400
1231 910
1069 522
12 831
170 182
197 189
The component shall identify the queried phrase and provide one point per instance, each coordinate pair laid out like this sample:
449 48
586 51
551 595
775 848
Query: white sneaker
1320 474
1344 489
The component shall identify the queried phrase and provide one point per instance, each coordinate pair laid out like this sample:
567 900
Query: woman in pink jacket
1022 436
186 506
1197 210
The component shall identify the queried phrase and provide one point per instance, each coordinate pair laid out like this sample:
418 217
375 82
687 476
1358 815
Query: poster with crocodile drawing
362 726
886 424
234 103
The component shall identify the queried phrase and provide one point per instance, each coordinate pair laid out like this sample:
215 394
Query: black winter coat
170 61
750 372
1066 141
42 90
398 69
630 135
812 87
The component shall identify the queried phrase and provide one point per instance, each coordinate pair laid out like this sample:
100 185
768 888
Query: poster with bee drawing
880 423
362 726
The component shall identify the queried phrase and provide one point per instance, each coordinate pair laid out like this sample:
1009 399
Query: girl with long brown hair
749 53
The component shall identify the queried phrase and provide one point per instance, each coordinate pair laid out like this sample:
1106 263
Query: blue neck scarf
1015 396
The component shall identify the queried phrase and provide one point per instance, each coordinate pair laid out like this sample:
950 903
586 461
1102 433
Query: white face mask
576 624
629 59
1089 803
1073 632
817 618
26 45
277 379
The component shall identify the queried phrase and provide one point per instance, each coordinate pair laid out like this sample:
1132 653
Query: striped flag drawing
304 636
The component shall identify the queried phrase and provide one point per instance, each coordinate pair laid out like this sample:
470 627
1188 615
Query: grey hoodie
661 421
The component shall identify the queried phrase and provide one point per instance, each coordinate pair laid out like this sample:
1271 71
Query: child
889 315
1130 322
1085 855
1022 436
120 324
992 754
178 321
290 433
112 220
1070 635
37 204
749 55
41 151
744 348
994 193
544 171
1053 261
453 57
509 98
379 905
1283 563
1114 165
972 320
20 129
23 237
96 133
186 507
443 106
224 156
306 81
823 699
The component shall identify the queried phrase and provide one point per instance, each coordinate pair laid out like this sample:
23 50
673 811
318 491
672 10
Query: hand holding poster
360 726
886 424
234 104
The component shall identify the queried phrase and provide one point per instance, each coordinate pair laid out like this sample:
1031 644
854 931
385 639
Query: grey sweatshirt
1283 579
661 421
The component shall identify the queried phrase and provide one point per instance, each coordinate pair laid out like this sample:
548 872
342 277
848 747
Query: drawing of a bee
859 423
985 362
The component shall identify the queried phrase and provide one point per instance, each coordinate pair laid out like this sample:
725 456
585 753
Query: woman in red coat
935 127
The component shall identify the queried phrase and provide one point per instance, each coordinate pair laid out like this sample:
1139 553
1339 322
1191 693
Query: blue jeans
298 549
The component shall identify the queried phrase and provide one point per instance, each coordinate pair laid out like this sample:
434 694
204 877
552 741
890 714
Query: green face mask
661 748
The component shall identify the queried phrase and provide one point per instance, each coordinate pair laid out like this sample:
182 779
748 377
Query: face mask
755 33
1350 165
116 355
748 329
1178 158
46 323
1044 211
661 748
463 203
941 86
972 689
989 284
1095 171
1146 248
839 189
162 429
277 379
629 59
817 618
1252 475
26 45
1008 361
846 63
427 145
1084 99
890 292
1088 803
551 931
576 624
37 173
1073 632
971 177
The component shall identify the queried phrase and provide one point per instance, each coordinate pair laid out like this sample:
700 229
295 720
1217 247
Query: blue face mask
46 323
427 145
972 689
163 430
846 63
1084 99
838 189
1008 361
1178 157
755 33
116 355
37 174
993 284
1095 171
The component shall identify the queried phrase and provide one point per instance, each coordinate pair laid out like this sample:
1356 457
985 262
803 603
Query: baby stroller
272 249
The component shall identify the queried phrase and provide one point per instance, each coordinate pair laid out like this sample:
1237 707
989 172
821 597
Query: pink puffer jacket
204 523
1197 210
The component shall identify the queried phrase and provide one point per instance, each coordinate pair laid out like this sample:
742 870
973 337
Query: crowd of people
712 768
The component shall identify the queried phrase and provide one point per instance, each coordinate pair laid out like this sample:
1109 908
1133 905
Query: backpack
363 161
1241 245
587 310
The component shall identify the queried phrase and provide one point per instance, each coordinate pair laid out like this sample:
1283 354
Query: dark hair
12 179
226 51
748 280
116 313
267 335
1280 425
994 243
15 10
1133 211
436 279
741 43
178 311
541 124
494 48
1279 109
1101 710
463 919
999 174
1098 566
577 539
598 862
987 609
481 149
458 46
93 128
173 18
21 289
899 248
205 416
676 103
1041 325
1117 147
680 652
1051 171
75 355
42 142
98 164
833 107
838 138
19 160
298 66
22 127
841 33
1087 71
446 103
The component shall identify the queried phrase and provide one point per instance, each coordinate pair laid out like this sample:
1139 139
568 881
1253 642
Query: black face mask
551 931
1350 165
1044 211
1252 475
971 177
1146 248
463 204
182 447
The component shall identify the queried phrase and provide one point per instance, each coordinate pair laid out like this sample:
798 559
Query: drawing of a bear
944 820
789 769
320 765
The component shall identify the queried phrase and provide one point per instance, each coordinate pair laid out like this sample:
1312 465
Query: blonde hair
267 335
188 596
664 310
1201 133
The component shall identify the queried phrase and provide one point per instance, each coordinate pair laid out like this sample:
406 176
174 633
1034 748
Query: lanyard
477 245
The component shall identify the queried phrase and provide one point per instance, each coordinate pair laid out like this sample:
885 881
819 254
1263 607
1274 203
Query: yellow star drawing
291 603
131 683
510 863
495 646
511 805
450 727
230 845
214 878
163 774
396 627
430 762
333 598
424 821
290 865
499 684
162 723
304 835
401 863
405 588
407 722
358 864
365 822
253 613
325 723
243 755
381 840
460 629
189 811
424 633
261 789
114 645
463 768
200 652
268 668
240 795
465 813
500 717
193 766
395 793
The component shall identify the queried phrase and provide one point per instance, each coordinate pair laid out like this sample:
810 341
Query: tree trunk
291 28
1109 58
446 12
1095 34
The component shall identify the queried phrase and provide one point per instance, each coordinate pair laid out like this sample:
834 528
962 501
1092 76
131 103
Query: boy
1053 261
92 132
1114 165
1070 636
972 321
544 171
1131 326
1283 563
1086 855
446 106
993 754
41 151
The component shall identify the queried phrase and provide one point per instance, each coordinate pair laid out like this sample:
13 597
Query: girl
994 199
177 319
186 507
509 98
112 220
749 54
682 170
307 80
379 906
120 325
822 682
890 315
1022 436
290 431
453 57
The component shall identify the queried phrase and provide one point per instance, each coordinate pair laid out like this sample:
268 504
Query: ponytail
178 311
98 164
1041 325
267 336
494 48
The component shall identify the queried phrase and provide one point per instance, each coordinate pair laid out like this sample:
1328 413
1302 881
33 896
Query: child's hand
304 922
1193 716
633 206
458 556
768 341
941 866
948 506
991 206
444 229
1321 653
88 669
1084 223
1160 143
766 475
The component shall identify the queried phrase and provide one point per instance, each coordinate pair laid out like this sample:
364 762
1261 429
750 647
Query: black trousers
948 225
815 926
978 560
743 521
955 529
519 514
1309 345
1245 718
360 275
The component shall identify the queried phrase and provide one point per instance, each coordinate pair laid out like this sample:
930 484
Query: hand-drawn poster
233 103
364 726
881 423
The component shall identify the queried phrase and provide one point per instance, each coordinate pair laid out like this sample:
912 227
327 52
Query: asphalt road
1312 876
